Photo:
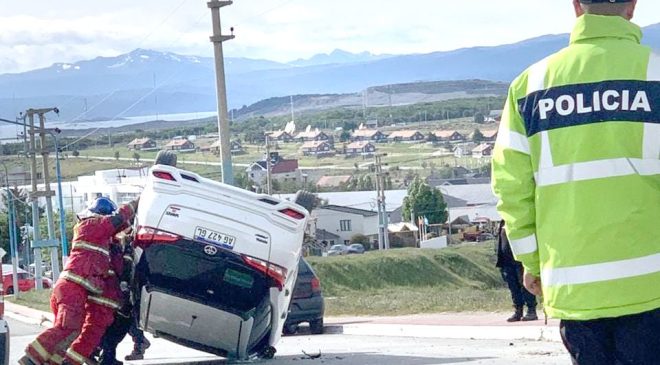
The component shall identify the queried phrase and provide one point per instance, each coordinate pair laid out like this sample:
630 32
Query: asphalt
472 326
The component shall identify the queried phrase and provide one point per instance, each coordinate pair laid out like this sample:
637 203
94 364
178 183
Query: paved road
347 350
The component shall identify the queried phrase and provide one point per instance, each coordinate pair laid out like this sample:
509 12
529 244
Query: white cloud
39 33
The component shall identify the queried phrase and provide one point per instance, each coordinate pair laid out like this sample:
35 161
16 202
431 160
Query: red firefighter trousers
68 305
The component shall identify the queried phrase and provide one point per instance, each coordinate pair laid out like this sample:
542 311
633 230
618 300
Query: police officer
577 169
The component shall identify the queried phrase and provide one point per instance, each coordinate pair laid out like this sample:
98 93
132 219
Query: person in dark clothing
125 320
512 273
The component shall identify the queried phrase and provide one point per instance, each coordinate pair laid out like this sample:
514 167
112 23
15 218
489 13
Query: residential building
360 148
346 222
482 150
489 135
120 185
280 136
464 150
142 144
406 136
281 170
333 181
372 135
317 148
235 147
314 135
181 145
449 136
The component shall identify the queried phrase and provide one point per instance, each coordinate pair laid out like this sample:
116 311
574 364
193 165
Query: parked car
215 264
4 328
356 248
26 281
307 304
336 250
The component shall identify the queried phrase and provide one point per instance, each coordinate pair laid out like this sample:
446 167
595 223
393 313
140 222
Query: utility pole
35 194
223 119
292 115
383 239
268 176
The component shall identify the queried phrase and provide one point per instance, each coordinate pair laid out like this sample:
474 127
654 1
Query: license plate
211 236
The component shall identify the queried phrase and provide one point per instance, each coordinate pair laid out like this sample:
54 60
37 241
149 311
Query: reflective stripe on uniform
41 351
508 139
651 143
128 257
111 272
524 245
104 301
90 247
601 272
536 76
599 169
75 356
68 275
56 359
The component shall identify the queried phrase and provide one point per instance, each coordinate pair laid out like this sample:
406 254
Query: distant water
11 131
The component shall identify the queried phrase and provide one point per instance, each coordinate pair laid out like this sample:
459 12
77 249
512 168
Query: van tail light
292 213
164 175
147 235
316 285
275 272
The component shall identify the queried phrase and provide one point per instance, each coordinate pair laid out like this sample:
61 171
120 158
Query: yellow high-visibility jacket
576 167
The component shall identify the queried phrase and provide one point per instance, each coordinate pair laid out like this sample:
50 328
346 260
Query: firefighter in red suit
100 309
85 288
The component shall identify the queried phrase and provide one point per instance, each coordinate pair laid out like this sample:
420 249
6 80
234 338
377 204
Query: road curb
28 315
530 333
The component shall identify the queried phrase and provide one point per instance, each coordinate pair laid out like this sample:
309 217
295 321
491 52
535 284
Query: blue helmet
102 206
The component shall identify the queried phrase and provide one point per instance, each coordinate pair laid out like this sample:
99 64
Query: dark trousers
512 275
629 340
115 334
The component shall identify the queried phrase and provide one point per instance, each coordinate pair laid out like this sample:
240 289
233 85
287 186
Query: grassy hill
408 281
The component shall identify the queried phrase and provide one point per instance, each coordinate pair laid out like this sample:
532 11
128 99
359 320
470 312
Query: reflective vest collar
590 26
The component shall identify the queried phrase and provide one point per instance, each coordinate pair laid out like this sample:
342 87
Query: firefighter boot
530 315
138 350
517 315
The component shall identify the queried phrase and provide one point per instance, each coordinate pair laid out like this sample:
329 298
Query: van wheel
316 326
290 329
166 158
305 199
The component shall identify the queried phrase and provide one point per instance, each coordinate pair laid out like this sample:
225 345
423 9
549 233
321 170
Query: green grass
33 299
408 281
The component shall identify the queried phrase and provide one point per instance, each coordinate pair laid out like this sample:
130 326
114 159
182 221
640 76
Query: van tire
305 199
316 326
167 158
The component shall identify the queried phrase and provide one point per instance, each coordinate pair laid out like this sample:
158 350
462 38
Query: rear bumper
305 310
203 327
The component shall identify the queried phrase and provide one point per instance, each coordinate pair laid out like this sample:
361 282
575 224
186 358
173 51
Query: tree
136 157
117 155
344 136
431 137
479 118
75 153
423 200
477 136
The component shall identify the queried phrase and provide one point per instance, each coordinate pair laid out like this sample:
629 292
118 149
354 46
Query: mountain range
146 82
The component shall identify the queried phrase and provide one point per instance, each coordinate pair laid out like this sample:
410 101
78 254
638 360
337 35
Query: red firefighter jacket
89 262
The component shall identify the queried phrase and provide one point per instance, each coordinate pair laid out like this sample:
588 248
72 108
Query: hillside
147 82
408 281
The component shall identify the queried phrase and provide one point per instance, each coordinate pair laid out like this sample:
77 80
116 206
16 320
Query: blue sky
37 33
